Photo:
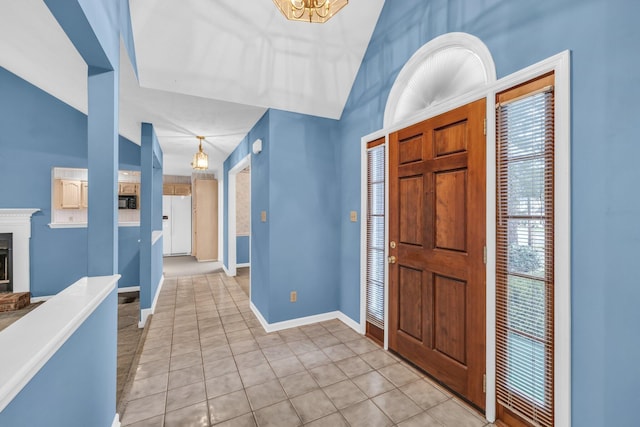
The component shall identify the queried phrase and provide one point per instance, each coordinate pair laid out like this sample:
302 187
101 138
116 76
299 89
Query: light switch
263 216
354 216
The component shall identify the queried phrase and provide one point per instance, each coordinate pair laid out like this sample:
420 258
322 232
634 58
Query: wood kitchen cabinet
176 189
128 188
68 194
182 189
205 219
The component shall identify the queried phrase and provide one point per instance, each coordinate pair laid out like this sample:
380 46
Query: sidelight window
524 251
375 238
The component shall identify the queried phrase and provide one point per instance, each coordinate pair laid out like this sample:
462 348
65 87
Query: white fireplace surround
18 223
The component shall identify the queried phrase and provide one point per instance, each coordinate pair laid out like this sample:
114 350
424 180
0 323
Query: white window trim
560 65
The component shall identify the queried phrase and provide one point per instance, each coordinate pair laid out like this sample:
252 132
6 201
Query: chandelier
318 11
200 159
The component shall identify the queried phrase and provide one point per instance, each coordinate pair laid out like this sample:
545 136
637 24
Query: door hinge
484 254
484 383
485 125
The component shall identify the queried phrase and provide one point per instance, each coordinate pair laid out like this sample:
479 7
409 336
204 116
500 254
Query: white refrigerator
176 225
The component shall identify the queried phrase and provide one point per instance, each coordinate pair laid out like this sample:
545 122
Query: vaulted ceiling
205 67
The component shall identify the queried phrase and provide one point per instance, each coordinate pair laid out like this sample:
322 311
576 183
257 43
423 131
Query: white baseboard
244 264
301 321
146 312
155 299
224 268
116 421
361 329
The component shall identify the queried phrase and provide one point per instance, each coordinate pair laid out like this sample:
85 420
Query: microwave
127 202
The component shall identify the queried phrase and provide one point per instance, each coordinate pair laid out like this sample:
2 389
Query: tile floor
207 361
243 278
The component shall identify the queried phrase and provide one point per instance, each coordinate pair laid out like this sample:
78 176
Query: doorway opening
239 214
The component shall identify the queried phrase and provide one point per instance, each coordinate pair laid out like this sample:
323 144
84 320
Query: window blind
524 250
375 233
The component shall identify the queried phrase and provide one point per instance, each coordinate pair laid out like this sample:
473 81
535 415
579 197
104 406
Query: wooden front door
436 247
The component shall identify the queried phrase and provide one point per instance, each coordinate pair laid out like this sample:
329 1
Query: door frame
560 64
231 215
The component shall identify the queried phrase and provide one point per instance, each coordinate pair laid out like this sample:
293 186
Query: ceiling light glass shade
200 159
317 11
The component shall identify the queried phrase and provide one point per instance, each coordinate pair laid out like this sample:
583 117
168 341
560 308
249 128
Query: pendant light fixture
200 159
318 11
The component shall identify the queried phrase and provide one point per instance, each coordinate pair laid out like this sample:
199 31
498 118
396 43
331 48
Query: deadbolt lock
392 244
392 259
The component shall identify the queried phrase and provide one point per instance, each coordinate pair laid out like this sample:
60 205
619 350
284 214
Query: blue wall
295 180
126 32
38 133
303 215
94 27
77 386
128 155
602 36
129 256
242 249
150 216
42 132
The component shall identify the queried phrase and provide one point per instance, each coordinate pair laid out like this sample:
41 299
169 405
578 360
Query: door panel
450 305
410 150
411 302
450 139
410 202
451 210
437 217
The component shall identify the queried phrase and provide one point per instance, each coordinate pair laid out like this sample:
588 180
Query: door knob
392 259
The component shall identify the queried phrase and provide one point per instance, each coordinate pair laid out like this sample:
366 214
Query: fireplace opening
6 262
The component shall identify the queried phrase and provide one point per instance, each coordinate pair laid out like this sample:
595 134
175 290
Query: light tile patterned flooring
207 361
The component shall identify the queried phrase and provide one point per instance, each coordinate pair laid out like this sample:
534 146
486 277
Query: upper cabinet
128 188
176 189
68 194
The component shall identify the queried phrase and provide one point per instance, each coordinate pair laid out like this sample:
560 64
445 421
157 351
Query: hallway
208 361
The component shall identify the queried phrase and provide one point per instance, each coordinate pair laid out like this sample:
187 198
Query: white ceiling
247 52
177 119
206 67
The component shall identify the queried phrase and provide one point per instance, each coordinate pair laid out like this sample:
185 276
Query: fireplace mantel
18 223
